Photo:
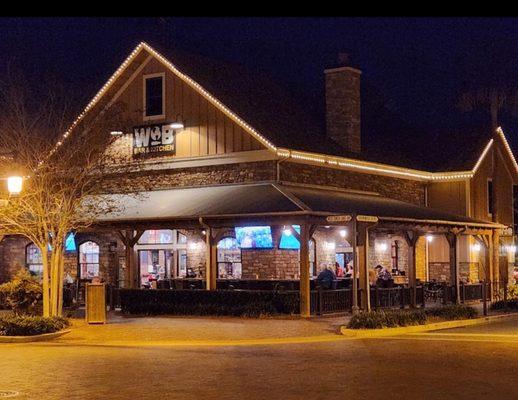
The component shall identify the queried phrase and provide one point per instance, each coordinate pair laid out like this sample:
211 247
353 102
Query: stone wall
12 256
194 176
270 264
402 189
439 271
343 107
420 259
380 256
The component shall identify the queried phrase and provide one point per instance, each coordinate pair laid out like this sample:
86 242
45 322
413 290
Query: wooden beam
305 298
211 265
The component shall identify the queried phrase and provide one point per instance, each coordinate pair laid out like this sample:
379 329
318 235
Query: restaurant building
246 185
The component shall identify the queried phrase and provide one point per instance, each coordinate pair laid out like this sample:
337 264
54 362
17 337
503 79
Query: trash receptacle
95 303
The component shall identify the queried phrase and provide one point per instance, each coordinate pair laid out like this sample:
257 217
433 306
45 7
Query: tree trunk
56 282
46 270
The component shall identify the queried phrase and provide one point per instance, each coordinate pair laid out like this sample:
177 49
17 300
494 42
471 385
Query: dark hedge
28 325
246 303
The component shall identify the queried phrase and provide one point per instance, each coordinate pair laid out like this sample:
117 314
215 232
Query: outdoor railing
340 300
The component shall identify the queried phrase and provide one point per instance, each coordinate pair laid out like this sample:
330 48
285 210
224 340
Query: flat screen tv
70 243
289 241
254 237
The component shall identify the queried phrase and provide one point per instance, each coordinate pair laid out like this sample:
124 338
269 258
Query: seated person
339 270
325 278
384 276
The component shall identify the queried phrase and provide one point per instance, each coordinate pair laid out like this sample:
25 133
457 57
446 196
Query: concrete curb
366 333
34 338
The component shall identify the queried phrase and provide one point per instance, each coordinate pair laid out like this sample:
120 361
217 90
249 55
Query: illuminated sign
338 218
154 140
366 218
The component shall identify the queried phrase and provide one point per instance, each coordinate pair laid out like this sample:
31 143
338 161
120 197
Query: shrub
22 293
386 319
511 305
202 302
391 319
27 325
452 312
512 292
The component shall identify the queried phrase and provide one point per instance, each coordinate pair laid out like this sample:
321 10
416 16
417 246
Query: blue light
70 243
289 241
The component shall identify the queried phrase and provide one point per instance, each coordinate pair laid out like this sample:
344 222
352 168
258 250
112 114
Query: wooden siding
504 189
207 131
448 196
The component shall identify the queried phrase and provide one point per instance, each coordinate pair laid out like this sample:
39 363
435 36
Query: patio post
130 238
211 270
411 239
363 261
305 306
491 265
496 263
453 241
355 307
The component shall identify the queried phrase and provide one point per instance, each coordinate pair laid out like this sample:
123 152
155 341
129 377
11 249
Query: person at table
339 270
384 276
349 269
325 278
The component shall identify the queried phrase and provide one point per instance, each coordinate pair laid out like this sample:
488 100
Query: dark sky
415 68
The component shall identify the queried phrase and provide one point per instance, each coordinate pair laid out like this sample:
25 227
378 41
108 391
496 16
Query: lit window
154 96
229 259
182 239
157 236
89 260
33 260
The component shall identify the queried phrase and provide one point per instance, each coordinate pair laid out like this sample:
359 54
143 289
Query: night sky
413 69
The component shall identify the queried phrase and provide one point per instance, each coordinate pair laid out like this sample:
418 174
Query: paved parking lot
453 364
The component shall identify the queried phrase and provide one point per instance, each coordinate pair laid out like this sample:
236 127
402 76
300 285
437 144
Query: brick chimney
343 104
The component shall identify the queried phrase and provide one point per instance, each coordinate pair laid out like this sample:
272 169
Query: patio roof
269 199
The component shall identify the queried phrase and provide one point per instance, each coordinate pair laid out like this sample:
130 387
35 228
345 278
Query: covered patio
332 227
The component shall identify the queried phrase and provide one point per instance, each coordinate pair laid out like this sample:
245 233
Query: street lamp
14 185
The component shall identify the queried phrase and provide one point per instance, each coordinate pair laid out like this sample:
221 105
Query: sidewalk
164 330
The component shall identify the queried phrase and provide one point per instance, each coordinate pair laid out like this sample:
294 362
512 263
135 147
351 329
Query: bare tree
489 78
61 174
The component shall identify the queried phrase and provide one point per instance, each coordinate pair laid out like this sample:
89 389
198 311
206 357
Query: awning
275 199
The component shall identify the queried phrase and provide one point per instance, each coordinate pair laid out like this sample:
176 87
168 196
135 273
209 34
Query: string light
507 147
321 159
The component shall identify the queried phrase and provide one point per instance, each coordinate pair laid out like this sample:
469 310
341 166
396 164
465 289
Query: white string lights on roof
507 147
340 162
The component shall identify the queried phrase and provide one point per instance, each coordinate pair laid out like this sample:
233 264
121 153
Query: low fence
336 300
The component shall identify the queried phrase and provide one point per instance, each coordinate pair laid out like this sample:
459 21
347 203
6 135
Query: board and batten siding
504 189
207 130
448 196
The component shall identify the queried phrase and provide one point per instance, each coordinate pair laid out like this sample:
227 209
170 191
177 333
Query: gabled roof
277 120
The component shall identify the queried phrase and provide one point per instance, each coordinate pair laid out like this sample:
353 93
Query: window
88 260
33 259
157 236
182 263
229 259
181 239
154 96
490 197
